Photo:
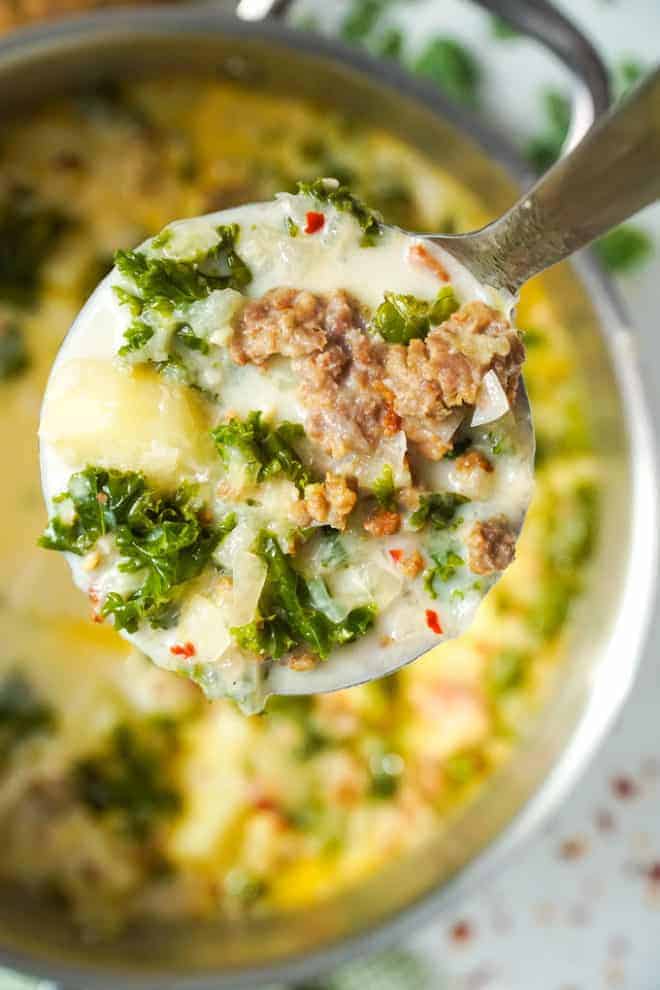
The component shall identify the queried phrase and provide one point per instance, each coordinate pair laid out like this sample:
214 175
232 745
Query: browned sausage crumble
491 545
358 389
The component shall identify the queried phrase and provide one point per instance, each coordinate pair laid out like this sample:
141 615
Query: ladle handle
611 174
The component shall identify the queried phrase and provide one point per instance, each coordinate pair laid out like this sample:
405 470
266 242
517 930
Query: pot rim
639 592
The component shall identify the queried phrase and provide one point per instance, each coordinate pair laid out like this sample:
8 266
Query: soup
124 791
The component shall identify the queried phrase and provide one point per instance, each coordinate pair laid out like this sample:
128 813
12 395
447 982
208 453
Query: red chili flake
396 555
433 622
315 221
102 498
183 650
623 787
461 931
653 873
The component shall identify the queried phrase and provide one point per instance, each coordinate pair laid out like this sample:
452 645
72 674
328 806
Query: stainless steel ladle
611 174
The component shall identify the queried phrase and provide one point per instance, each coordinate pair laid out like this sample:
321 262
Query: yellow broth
121 789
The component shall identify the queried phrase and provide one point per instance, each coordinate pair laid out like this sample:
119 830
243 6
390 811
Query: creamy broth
317 793
130 394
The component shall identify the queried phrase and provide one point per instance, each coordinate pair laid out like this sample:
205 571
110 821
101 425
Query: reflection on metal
257 10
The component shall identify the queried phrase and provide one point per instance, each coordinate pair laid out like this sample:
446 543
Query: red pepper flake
102 498
461 932
315 221
433 622
396 555
623 787
653 873
183 650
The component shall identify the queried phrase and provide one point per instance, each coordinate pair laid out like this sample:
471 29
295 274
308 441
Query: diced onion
249 577
492 402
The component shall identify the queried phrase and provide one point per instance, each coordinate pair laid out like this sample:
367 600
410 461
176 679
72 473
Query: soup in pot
123 790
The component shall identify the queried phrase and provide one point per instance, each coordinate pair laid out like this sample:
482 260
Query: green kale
389 44
29 232
22 713
189 339
287 616
502 29
444 569
333 552
128 780
627 73
160 537
462 767
507 670
361 19
385 771
402 318
13 351
162 284
384 488
624 249
343 200
292 227
543 150
439 509
267 452
452 67
459 446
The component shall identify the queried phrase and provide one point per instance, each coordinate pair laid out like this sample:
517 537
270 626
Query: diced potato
130 419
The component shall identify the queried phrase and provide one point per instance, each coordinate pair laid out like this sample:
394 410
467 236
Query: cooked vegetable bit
22 713
343 200
267 452
624 249
30 230
384 488
402 318
444 569
128 780
13 351
288 618
159 537
439 509
450 65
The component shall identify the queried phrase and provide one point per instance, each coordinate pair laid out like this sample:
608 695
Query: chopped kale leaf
162 284
444 569
266 452
189 339
13 351
22 713
439 509
343 200
384 488
543 150
128 780
624 249
29 231
402 318
159 537
287 617
452 67
507 670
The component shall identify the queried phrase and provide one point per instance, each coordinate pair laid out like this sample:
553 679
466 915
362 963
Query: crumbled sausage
356 389
413 564
491 545
473 460
284 321
302 661
330 501
382 522
431 379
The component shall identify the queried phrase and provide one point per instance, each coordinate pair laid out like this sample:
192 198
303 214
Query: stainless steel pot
607 633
